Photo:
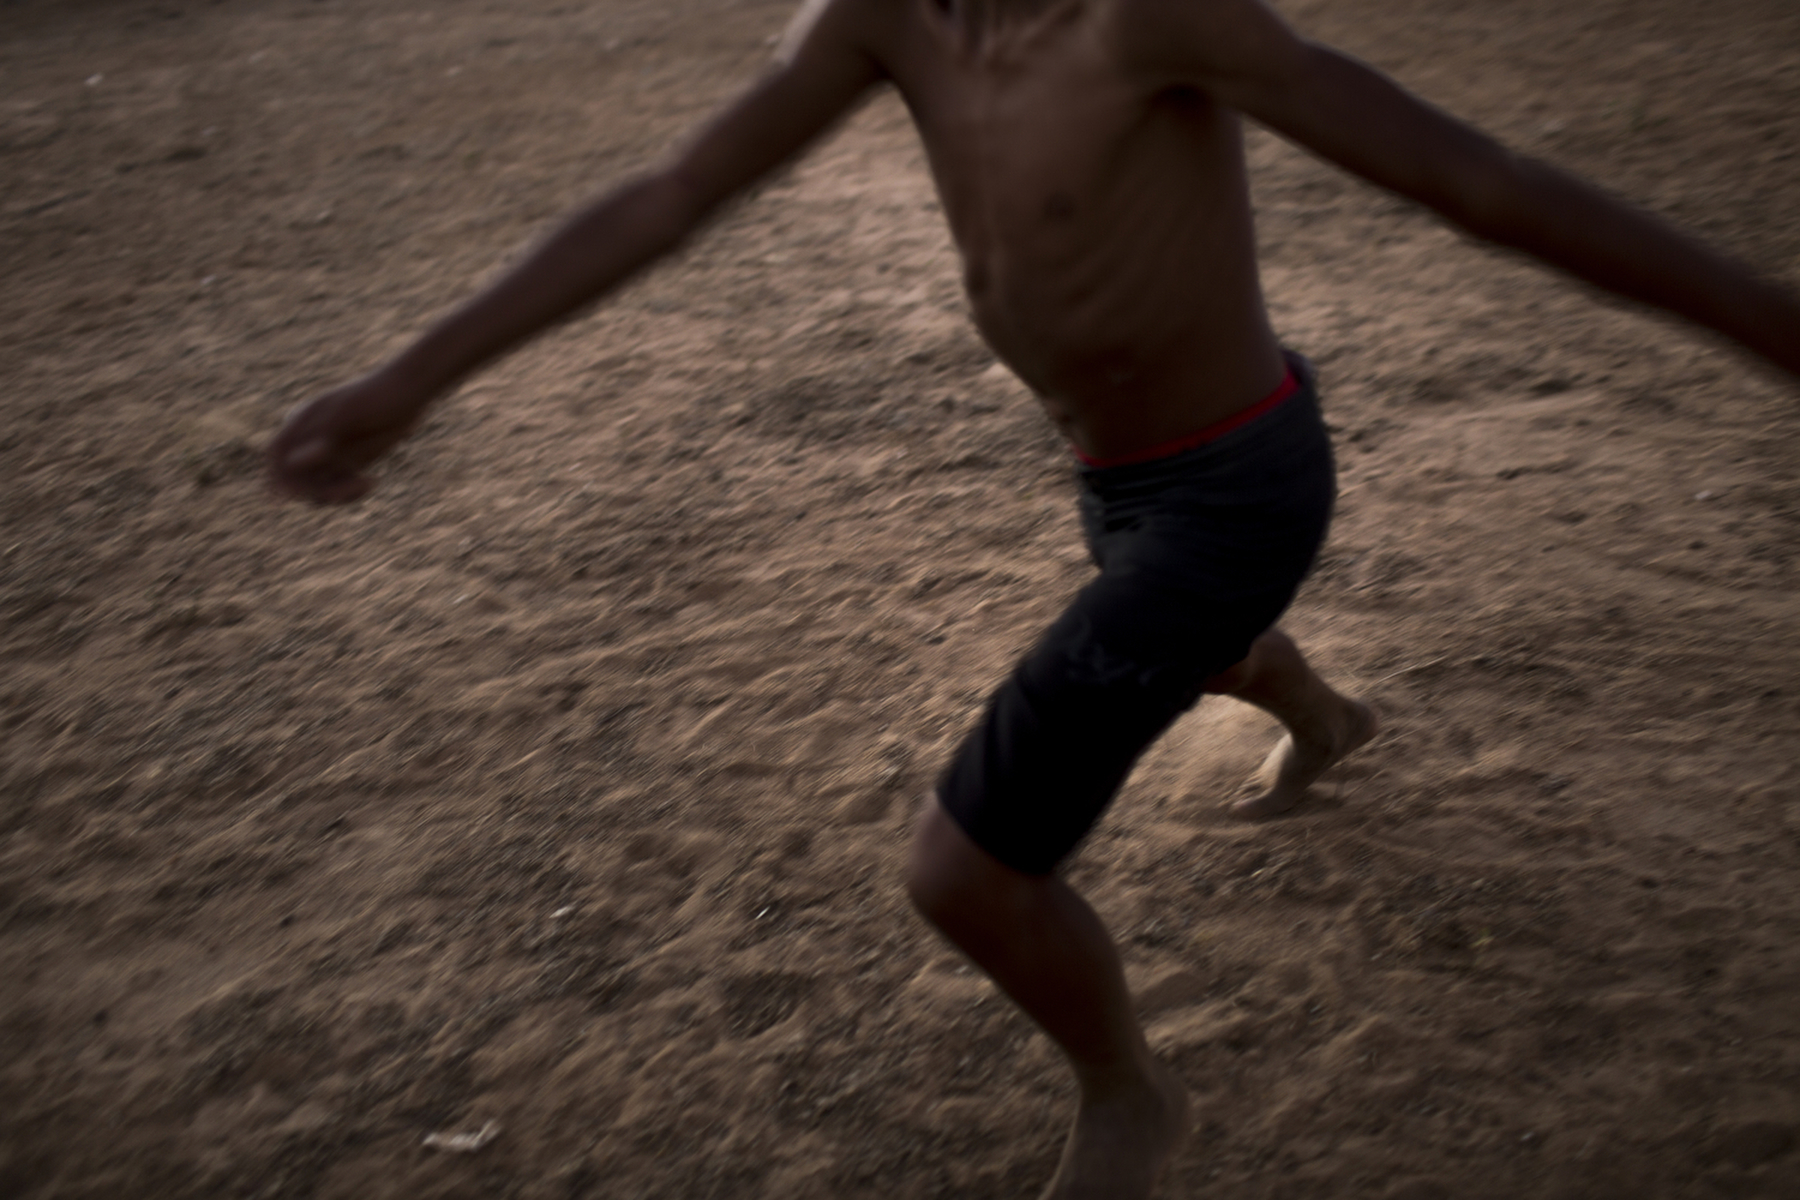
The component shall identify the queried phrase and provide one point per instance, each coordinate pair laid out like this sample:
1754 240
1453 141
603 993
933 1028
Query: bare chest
1017 123
1035 132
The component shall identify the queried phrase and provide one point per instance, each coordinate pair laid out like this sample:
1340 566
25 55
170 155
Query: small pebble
463 1143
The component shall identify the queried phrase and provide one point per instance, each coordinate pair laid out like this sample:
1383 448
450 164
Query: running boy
1089 157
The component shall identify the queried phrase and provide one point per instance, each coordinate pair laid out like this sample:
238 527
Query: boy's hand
325 445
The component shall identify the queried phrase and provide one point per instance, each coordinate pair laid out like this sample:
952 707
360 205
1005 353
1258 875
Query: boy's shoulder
1189 24
865 22
1166 41
1210 44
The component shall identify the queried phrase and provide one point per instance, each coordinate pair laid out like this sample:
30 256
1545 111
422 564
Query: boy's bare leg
1322 725
1042 944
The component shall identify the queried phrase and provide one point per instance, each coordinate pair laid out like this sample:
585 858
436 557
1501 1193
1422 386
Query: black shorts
1199 553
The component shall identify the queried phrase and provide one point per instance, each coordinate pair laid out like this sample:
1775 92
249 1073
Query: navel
1059 207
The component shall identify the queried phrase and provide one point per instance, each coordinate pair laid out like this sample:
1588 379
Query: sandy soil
563 784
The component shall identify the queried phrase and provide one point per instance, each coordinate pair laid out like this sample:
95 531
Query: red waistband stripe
1212 433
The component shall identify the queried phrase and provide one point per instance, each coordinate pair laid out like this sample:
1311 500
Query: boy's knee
949 877
932 875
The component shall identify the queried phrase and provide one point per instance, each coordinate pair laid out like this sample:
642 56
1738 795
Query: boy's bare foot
1121 1143
1298 760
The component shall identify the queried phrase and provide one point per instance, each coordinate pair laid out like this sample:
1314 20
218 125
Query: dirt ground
560 789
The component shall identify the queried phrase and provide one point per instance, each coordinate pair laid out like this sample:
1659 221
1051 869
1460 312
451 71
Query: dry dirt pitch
563 784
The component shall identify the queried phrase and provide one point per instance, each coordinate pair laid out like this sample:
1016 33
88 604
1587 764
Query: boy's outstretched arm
324 447
1241 53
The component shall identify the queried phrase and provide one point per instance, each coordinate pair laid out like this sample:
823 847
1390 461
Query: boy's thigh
1060 735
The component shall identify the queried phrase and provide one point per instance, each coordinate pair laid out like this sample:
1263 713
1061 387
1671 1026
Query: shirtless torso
1103 219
